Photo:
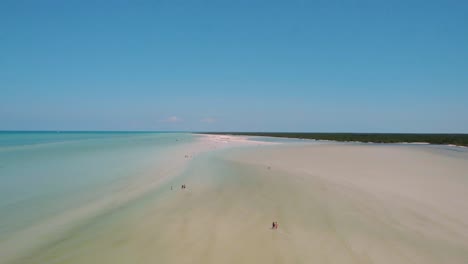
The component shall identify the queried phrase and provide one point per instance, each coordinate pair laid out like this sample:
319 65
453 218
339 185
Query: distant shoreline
437 139
460 140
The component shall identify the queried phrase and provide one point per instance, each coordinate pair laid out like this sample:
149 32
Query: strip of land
440 139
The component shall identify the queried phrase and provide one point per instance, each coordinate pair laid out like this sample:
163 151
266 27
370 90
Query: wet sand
334 203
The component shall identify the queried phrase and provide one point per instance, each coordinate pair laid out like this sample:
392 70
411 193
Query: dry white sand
335 203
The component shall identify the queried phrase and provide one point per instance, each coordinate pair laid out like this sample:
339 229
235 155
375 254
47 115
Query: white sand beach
334 203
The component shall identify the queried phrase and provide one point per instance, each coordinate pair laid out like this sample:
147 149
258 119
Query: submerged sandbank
335 203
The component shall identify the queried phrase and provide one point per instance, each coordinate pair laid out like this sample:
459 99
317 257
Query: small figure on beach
274 225
183 186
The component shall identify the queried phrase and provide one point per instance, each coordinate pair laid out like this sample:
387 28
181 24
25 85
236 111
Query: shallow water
173 225
48 175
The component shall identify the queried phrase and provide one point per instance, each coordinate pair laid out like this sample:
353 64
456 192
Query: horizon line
227 132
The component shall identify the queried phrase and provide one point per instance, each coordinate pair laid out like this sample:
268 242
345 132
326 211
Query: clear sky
326 66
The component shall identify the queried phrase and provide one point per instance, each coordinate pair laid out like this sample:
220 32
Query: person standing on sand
273 225
276 225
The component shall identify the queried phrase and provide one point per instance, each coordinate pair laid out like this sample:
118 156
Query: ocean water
46 176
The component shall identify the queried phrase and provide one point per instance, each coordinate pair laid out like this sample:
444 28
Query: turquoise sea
47 175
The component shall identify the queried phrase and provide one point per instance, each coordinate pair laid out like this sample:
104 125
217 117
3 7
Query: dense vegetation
454 139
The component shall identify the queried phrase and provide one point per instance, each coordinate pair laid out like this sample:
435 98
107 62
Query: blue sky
336 66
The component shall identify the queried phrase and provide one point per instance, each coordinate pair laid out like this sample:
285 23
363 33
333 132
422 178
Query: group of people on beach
182 187
274 225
